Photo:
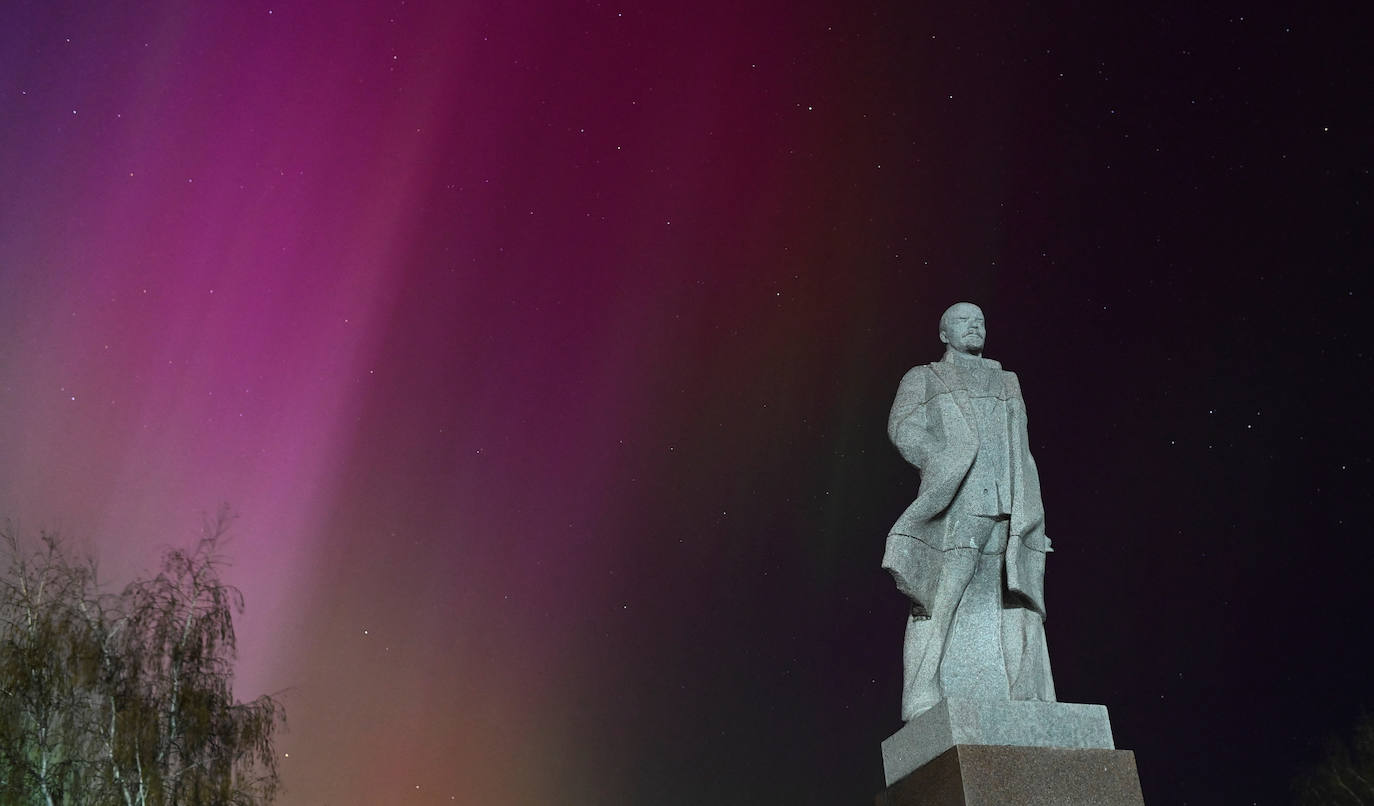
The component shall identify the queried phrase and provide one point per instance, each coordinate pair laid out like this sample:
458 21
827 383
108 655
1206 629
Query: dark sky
546 350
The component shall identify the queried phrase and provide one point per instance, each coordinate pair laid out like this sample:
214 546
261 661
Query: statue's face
962 328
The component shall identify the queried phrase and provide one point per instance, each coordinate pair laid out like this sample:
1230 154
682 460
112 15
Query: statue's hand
897 578
898 562
903 584
918 610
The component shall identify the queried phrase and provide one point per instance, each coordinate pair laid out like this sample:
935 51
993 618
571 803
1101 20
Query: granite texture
970 550
982 775
990 722
982 722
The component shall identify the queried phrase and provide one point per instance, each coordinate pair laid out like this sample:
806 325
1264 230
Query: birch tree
179 731
1346 775
45 675
127 699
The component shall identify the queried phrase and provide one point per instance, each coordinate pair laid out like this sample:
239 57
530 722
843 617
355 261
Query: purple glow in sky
394 280
545 351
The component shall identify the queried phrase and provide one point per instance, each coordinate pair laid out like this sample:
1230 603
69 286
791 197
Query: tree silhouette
127 699
1345 775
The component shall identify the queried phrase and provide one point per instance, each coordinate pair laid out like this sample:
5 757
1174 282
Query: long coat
933 426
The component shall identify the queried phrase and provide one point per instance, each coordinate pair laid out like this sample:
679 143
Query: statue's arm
1028 520
909 425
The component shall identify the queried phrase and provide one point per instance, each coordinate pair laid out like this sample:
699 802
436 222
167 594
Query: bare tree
45 675
1346 775
128 699
183 724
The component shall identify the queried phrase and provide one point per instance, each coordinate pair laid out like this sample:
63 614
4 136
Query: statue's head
962 328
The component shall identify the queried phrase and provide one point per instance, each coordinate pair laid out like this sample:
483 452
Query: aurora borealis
545 350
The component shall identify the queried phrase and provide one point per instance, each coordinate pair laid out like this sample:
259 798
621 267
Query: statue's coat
933 426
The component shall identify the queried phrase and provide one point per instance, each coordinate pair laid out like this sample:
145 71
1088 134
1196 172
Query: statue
970 551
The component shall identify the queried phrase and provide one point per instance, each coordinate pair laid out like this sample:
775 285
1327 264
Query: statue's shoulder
920 373
917 384
1011 383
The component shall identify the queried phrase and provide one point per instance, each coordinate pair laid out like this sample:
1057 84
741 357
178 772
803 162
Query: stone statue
970 551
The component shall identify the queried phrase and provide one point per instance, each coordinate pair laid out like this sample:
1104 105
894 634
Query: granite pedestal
1008 753
993 722
985 775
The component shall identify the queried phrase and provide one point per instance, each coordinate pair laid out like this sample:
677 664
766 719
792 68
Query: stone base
983 775
993 722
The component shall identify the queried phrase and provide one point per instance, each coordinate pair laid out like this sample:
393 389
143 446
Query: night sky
545 351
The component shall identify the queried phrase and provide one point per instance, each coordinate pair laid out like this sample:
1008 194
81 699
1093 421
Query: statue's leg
926 638
1028 658
1023 642
973 666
